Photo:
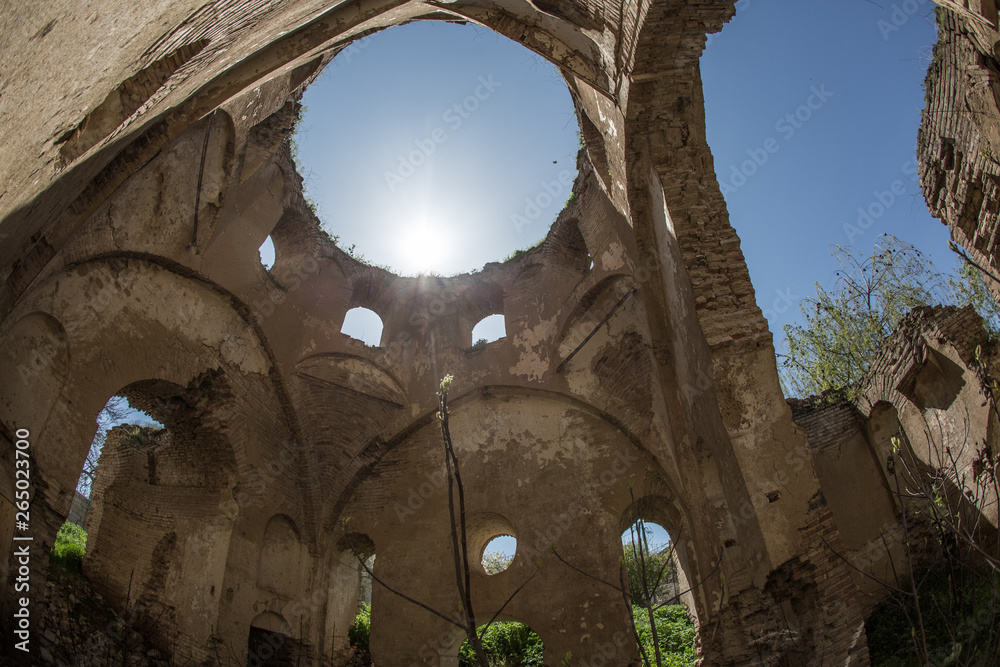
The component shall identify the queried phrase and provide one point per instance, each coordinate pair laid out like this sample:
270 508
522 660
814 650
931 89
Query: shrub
958 610
658 571
359 632
674 629
70 547
507 644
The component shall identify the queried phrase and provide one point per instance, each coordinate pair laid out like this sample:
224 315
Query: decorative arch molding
272 622
701 558
364 460
355 373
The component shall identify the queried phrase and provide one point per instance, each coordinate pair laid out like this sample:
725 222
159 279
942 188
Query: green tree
657 564
845 326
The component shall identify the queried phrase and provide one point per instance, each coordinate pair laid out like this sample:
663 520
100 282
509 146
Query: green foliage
675 630
358 633
967 286
846 325
478 345
521 251
70 547
658 569
507 644
495 562
959 613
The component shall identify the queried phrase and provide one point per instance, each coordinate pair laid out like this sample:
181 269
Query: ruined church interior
637 377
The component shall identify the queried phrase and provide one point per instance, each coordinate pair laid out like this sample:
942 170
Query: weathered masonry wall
959 140
135 191
925 391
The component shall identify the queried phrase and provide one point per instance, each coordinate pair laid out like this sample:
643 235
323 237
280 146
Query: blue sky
854 148
822 98
126 414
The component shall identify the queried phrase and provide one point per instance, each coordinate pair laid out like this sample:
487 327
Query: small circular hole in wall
499 554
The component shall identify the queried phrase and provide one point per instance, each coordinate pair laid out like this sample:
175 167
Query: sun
423 248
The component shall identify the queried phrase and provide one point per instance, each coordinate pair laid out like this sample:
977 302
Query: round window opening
434 148
499 554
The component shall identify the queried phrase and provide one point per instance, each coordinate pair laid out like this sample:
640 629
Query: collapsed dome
427 163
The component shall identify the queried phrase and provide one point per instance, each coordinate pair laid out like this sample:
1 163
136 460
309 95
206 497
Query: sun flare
423 248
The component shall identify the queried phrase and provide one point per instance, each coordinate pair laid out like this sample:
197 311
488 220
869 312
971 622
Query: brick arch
364 461
107 319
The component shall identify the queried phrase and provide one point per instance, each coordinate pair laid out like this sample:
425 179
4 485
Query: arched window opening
356 559
364 325
266 251
650 562
653 576
420 172
505 643
488 330
360 630
71 540
499 554
116 412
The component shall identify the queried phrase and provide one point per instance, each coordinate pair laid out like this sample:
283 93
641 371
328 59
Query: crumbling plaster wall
132 258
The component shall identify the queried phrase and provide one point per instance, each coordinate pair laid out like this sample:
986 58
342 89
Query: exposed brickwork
807 613
829 424
918 388
908 344
959 141
124 101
